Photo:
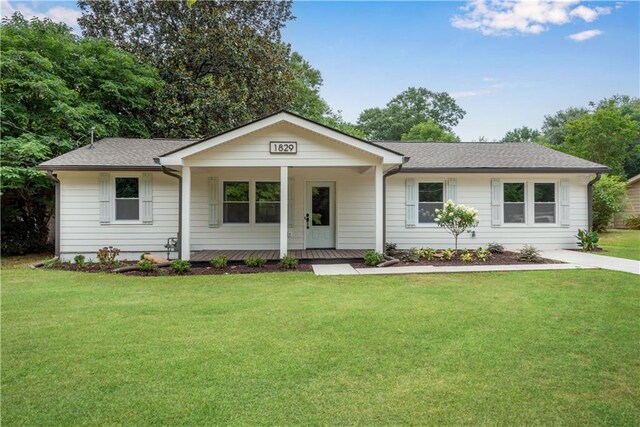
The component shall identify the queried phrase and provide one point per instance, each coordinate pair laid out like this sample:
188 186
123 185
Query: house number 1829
283 147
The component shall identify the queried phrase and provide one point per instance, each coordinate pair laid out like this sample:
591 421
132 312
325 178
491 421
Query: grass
557 347
621 244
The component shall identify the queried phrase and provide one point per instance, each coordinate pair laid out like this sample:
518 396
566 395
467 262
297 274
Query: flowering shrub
456 219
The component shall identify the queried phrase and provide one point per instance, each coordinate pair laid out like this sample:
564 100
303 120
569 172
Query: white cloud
585 35
470 93
62 14
505 17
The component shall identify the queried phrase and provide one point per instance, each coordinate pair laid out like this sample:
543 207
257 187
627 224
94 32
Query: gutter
173 174
384 199
590 201
55 179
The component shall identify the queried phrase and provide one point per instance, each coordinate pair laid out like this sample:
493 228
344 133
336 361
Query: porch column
379 209
185 236
284 210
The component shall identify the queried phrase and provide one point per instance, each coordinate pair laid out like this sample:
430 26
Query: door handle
306 218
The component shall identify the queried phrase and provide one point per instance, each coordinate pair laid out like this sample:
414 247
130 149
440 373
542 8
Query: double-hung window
544 203
267 202
430 198
127 200
514 203
236 202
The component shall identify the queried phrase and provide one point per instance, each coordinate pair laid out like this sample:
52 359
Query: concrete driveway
592 260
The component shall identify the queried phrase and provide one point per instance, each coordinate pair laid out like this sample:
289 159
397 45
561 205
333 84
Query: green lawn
621 243
544 348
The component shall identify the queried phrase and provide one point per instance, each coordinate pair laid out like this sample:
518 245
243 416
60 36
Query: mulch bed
505 258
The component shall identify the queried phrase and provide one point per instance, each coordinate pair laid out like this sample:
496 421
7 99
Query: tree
223 62
429 131
521 134
55 88
554 127
602 137
409 108
456 219
609 195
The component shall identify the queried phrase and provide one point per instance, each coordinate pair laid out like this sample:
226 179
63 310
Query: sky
506 62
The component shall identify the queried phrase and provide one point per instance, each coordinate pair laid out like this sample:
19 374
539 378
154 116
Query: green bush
219 261
587 240
146 265
448 254
180 266
609 195
466 257
79 260
373 258
50 263
427 253
255 261
529 253
412 255
495 248
633 222
289 262
482 254
390 248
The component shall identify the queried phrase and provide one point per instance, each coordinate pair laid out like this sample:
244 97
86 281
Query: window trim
252 202
255 200
417 208
223 201
114 198
525 202
529 198
534 203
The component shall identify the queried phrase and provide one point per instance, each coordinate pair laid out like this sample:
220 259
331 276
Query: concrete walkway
592 260
347 269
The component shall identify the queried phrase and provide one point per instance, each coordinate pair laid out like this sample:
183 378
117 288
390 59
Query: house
633 203
284 183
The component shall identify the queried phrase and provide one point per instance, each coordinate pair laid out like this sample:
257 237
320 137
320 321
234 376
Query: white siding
475 190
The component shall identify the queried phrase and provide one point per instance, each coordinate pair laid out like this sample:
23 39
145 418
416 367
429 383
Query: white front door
320 220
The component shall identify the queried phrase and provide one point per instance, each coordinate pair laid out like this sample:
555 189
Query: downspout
384 200
55 179
173 174
590 201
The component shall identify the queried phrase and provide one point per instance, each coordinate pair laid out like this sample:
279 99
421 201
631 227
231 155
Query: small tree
609 198
456 219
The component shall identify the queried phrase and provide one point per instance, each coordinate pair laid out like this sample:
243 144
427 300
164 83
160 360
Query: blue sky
507 64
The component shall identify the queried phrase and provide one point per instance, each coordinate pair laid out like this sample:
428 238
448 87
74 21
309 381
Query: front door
320 220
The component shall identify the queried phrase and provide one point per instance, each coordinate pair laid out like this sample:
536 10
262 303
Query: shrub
482 254
448 254
255 261
495 248
107 255
609 196
288 262
146 265
390 248
428 253
529 253
466 257
373 258
587 240
79 260
412 255
633 222
456 219
219 261
180 266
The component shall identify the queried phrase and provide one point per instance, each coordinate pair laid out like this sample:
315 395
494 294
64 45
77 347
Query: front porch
274 255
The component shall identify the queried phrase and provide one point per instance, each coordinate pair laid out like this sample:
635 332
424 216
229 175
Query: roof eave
506 170
96 168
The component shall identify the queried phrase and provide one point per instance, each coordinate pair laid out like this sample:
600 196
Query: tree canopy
409 108
522 134
431 132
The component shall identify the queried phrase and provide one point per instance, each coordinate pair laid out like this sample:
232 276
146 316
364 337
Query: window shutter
146 197
496 202
410 202
452 190
105 198
564 203
214 217
290 205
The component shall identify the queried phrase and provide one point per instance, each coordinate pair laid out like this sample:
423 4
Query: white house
284 183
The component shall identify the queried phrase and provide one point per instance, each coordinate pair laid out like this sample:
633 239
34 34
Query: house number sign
283 147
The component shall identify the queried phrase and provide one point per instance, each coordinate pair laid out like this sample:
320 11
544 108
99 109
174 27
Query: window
514 205
236 203
127 199
430 198
267 202
544 203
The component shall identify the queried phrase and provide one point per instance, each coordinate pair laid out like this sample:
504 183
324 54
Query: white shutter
564 203
214 211
146 197
452 190
291 207
410 202
105 198
496 202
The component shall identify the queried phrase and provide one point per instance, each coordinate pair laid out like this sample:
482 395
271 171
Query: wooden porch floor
274 255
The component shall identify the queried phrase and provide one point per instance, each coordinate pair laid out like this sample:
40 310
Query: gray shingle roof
488 157
116 153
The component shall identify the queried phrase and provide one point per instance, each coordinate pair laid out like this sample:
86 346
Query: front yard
556 347
621 243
